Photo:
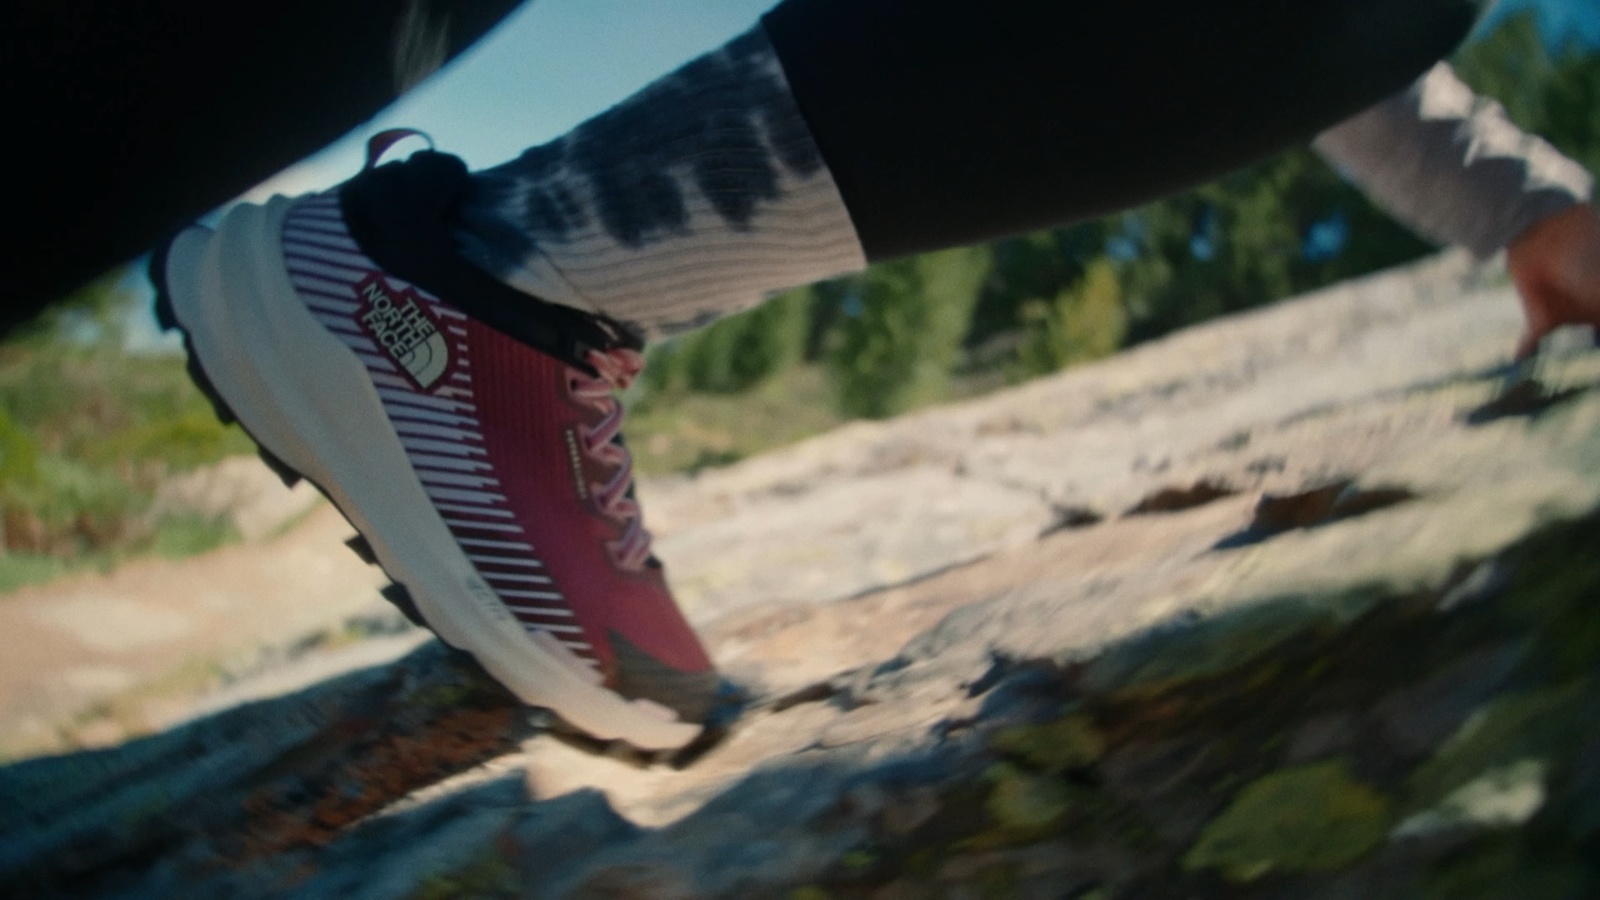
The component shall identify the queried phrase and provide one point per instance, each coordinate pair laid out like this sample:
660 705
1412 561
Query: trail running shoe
468 431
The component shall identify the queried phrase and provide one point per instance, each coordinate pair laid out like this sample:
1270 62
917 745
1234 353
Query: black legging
130 118
947 122
943 121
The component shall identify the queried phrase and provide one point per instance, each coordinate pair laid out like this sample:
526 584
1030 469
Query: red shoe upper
517 450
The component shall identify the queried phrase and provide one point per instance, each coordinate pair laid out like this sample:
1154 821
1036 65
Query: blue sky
548 67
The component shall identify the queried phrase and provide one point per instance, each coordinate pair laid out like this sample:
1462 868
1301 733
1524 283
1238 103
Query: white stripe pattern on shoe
438 430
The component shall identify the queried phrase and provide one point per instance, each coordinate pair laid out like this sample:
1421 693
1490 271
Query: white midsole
307 398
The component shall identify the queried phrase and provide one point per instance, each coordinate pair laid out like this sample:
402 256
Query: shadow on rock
1430 744
1527 397
1321 505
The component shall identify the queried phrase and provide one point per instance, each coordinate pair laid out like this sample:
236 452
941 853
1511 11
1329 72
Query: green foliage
19 454
1252 226
21 569
737 352
1027 802
1510 729
189 438
1083 323
1071 742
899 350
1553 92
489 876
87 433
1509 868
1309 818
182 535
686 432
875 357
1033 267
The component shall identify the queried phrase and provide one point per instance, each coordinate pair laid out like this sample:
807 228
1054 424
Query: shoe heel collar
400 215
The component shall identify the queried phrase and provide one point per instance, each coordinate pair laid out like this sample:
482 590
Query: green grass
687 432
88 433
171 538
22 569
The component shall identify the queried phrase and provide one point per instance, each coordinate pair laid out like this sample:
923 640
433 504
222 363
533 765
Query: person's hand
1555 264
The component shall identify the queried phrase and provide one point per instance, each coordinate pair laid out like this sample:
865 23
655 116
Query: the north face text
401 325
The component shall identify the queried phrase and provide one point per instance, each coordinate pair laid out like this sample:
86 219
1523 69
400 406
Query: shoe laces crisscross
615 370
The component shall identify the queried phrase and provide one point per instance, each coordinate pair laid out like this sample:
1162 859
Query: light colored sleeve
1450 165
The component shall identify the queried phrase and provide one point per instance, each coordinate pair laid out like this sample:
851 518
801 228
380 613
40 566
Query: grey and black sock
692 199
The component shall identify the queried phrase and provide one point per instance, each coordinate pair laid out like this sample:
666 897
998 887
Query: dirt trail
73 647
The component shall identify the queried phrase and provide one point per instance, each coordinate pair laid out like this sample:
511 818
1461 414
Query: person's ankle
696 197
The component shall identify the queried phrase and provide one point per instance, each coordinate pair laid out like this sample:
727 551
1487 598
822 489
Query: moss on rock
1308 818
1068 743
1511 728
1024 802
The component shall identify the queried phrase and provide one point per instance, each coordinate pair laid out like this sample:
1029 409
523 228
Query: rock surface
1292 604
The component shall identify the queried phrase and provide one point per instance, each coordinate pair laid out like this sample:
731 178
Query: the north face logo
400 323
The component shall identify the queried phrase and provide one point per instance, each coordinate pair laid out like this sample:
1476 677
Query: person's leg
131 118
947 122
436 348
926 124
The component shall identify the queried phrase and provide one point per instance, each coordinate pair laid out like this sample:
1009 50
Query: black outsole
362 548
396 593
712 732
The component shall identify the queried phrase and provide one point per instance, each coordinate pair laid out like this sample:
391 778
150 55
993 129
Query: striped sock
692 199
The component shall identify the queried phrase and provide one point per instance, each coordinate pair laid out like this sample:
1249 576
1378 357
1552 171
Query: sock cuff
709 268
695 198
